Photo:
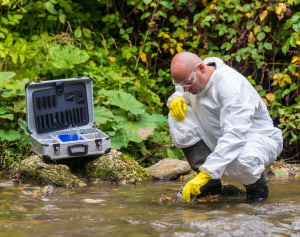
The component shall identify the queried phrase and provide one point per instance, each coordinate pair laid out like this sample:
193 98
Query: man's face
196 80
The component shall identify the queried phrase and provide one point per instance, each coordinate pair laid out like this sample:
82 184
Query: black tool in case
60 119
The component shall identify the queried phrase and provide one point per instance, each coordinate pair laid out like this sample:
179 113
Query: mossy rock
34 170
115 167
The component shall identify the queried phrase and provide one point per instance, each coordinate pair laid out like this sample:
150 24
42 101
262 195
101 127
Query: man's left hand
194 185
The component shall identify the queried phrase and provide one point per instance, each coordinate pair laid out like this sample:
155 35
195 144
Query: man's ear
201 67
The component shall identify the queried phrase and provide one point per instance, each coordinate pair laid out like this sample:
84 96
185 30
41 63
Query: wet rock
48 190
187 177
35 171
169 169
115 167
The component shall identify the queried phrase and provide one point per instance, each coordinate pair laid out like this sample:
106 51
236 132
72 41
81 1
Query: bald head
183 64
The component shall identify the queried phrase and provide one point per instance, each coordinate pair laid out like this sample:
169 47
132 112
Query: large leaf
6 75
119 140
10 135
65 57
102 115
125 101
138 131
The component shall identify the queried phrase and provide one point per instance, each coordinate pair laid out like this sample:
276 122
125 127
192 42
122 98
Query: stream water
144 211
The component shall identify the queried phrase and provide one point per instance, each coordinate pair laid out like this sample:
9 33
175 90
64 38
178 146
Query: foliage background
126 47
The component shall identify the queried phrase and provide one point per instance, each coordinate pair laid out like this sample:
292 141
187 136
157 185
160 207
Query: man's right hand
177 108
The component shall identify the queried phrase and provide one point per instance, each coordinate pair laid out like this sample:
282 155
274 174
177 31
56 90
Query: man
222 125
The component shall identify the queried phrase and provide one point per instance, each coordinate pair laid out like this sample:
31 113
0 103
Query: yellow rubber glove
177 108
194 185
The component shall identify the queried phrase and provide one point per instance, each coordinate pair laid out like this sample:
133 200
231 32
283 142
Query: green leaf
126 52
6 76
8 41
145 15
296 27
197 17
50 8
119 140
102 115
23 125
247 8
166 4
78 33
161 13
62 18
65 57
125 101
7 116
293 39
238 58
174 153
138 131
268 46
226 46
260 36
86 32
173 19
286 47
192 7
293 87
10 135
266 29
147 1
3 110
51 18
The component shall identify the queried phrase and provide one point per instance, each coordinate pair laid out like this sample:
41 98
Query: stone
169 169
34 170
117 168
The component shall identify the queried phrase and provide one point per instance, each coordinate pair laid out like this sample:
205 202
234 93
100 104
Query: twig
154 151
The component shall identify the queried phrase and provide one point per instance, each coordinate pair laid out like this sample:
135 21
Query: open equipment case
60 119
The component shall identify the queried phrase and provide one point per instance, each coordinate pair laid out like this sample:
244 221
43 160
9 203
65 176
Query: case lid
58 104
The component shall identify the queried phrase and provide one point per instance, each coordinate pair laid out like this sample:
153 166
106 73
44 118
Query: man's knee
196 154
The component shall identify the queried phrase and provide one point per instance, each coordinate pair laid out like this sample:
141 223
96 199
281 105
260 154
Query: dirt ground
282 169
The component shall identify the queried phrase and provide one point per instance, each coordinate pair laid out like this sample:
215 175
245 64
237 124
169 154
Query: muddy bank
115 167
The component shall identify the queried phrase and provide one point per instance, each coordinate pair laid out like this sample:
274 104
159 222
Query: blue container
69 138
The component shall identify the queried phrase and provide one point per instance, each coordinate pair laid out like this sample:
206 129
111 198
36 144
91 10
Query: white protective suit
233 121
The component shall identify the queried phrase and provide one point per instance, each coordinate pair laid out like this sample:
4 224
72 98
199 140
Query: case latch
59 88
56 148
99 144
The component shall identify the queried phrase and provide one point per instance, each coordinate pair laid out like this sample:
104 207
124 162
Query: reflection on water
137 211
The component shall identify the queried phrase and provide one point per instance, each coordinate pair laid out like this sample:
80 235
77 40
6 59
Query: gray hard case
60 119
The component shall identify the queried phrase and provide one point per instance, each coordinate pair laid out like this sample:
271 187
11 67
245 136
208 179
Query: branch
153 152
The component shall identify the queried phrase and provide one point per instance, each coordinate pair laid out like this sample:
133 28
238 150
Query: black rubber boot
259 191
196 154
213 187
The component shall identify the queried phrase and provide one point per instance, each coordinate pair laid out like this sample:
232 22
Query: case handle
78 150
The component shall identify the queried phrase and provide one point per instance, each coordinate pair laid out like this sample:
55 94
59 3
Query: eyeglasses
189 82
